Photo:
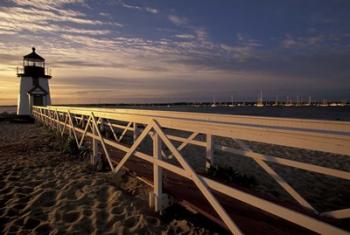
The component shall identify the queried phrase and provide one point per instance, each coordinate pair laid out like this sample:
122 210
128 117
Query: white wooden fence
326 136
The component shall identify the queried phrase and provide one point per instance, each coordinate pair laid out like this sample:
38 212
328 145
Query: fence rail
326 136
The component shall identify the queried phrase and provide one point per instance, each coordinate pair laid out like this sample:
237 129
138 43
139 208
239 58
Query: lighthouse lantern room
34 84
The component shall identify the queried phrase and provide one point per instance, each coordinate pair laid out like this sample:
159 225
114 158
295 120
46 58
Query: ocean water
322 113
8 109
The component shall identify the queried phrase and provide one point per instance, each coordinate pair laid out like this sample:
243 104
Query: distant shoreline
337 113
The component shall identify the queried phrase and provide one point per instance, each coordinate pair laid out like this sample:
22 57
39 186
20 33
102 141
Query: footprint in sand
31 223
79 194
86 212
6 191
119 212
3 184
153 221
82 226
4 220
71 216
12 178
43 228
101 205
45 198
3 202
49 184
20 221
21 196
11 228
38 214
18 206
25 190
10 212
134 223
113 195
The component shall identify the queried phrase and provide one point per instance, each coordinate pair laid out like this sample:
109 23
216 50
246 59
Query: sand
43 191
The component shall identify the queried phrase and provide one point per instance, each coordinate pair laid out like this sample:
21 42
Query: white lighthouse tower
34 84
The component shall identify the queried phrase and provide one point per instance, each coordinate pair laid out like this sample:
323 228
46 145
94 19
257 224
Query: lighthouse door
38 100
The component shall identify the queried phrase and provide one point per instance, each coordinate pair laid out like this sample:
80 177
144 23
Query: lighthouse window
33 63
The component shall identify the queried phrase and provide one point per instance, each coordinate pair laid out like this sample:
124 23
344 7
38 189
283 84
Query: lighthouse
34 84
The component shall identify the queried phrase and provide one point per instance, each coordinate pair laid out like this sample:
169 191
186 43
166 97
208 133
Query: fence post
70 128
57 122
41 117
157 198
94 146
52 120
157 171
49 119
136 131
44 117
209 161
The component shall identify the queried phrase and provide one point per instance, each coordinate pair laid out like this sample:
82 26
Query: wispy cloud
152 10
49 16
290 41
112 51
140 8
240 53
105 14
177 20
129 5
185 36
45 3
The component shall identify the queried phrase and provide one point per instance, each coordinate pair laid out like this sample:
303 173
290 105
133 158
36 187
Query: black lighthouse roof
33 56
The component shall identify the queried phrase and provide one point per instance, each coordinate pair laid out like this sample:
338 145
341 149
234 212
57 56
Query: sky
131 51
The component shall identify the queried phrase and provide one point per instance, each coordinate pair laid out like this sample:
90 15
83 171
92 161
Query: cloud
202 34
312 41
240 53
18 18
129 6
105 14
185 36
45 3
41 16
135 7
6 32
177 20
293 42
289 42
73 45
151 10
80 31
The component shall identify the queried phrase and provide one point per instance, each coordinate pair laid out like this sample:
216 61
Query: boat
213 105
259 103
232 105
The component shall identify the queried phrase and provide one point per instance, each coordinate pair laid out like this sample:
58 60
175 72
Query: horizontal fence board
312 138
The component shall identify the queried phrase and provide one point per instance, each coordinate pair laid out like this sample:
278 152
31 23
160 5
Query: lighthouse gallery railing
326 136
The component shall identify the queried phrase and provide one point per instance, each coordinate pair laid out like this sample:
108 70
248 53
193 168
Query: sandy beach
43 191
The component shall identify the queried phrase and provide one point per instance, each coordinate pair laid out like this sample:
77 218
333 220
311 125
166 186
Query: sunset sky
179 50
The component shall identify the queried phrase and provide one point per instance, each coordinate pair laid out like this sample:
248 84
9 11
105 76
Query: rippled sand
43 191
